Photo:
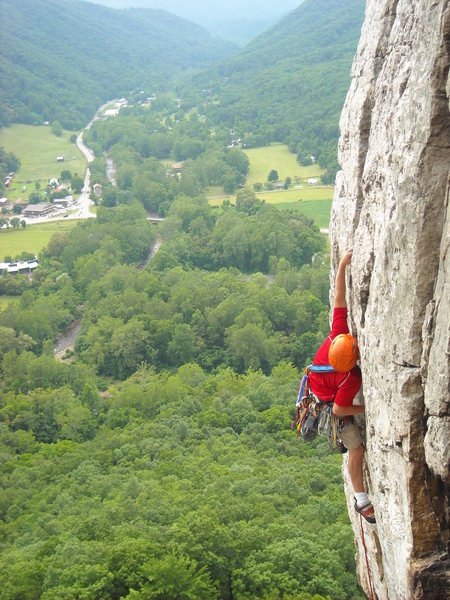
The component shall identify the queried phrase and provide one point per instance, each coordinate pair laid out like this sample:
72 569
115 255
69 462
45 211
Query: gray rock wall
391 205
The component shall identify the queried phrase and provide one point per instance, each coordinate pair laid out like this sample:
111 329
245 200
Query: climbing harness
314 416
367 560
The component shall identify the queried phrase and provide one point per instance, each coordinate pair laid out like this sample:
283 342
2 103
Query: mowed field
32 239
37 148
313 201
278 157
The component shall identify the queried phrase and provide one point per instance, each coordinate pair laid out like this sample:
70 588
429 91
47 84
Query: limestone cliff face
391 205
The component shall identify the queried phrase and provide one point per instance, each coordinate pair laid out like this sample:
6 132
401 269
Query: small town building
177 167
5 204
313 181
60 158
98 189
38 210
63 201
111 112
21 266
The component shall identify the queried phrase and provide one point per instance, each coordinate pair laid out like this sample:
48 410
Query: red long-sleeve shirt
340 387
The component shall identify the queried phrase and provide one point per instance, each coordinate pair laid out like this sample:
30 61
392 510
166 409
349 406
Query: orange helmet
343 353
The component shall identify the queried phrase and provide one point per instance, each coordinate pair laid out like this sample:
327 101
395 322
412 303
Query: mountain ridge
53 48
289 84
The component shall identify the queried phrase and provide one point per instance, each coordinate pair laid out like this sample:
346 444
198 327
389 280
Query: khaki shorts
351 436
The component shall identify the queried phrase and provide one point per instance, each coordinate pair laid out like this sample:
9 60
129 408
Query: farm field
37 148
306 194
278 157
318 210
314 202
32 239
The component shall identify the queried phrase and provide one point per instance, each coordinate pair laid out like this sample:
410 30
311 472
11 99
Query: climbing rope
367 560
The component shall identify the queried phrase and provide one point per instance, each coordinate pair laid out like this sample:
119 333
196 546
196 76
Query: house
111 112
4 203
313 181
60 158
38 210
177 167
7 181
98 189
62 186
21 266
63 201
53 182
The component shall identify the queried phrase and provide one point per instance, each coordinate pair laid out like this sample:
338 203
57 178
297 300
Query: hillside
61 59
236 20
289 84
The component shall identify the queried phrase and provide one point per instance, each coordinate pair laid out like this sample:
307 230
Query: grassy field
37 148
5 301
32 239
314 202
318 210
278 157
306 194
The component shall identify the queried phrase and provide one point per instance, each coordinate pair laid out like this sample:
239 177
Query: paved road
84 149
83 202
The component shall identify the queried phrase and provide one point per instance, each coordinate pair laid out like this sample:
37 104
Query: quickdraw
313 415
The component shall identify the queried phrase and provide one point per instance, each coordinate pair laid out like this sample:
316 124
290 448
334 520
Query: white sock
361 499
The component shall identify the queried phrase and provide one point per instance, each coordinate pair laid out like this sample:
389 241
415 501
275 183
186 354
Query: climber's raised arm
339 290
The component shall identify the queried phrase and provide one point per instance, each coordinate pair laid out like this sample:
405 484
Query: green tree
174 577
249 347
56 128
273 175
76 183
35 198
182 347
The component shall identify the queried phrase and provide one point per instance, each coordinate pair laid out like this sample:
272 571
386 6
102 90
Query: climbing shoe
366 511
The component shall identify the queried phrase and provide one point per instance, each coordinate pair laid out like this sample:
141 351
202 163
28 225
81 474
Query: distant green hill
60 59
235 20
289 84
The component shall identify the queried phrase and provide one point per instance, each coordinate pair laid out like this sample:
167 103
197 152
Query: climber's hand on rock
347 258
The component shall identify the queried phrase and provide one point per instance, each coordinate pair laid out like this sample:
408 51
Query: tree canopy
61 60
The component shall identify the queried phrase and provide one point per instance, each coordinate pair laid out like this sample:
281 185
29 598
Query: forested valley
62 58
289 84
156 459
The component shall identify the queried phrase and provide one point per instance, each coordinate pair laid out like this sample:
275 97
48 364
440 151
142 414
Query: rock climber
341 389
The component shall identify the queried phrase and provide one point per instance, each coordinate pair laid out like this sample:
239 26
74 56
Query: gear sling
314 416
